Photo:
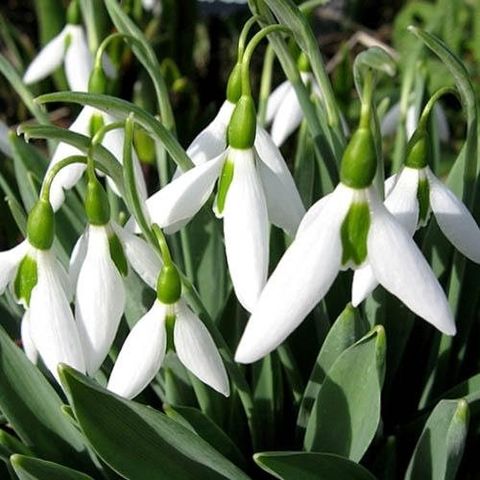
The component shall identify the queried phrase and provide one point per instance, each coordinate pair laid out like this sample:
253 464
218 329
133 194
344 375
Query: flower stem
242 40
422 123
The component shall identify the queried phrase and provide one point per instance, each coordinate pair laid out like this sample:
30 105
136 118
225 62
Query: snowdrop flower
283 108
344 229
411 195
254 187
41 285
168 324
99 262
70 47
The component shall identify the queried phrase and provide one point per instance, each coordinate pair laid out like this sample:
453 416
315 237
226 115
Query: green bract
169 285
354 232
26 279
74 14
98 81
97 207
359 162
41 225
243 124
234 85
417 151
96 123
303 63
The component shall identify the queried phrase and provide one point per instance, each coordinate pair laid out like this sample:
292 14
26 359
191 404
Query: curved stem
366 98
265 84
101 49
162 243
50 175
101 132
422 123
242 40
252 45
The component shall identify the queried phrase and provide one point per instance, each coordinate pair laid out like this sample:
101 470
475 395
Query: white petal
402 201
27 342
401 268
78 60
141 355
70 175
140 255
182 198
197 351
288 117
454 219
48 59
302 277
390 183
312 214
9 261
212 140
245 224
364 283
276 98
52 326
100 299
285 207
390 121
77 257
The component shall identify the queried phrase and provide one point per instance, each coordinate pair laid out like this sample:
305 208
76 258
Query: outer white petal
390 183
401 268
276 98
301 279
212 140
48 59
245 225
69 176
182 198
141 355
402 201
140 256
27 342
288 117
9 261
364 283
100 299
78 60
52 327
312 214
390 121
77 257
285 207
197 351
454 219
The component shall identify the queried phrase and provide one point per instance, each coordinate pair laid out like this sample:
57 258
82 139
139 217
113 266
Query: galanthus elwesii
410 196
41 285
89 122
283 108
255 187
169 324
345 229
100 260
68 47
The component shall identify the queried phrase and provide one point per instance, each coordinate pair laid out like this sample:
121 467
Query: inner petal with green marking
26 279
423 196
117 254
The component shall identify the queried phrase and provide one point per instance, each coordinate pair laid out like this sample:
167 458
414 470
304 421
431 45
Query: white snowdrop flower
345 229
410 196
100 260
69 47
41 285
255 187
168 324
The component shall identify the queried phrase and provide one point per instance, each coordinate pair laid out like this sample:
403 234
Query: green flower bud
417 150
74 14
224 182
354 233
243 124
169 285
97 83
118 255
96 123
303 63
41 225
26 279
144 145
359 162
96 203
234 85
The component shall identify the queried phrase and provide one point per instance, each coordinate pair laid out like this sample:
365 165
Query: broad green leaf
122 109
13 444
310 466
33 408
203 426
440 447
30 468
346 413
138 441
347 329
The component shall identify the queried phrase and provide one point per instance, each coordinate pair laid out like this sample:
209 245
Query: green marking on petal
423 196
169 326
224 182
354 232
26 279
117 254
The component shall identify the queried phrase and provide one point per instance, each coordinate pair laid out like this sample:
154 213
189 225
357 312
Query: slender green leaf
310 466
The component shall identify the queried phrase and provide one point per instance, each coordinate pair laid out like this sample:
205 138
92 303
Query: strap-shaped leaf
346 413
